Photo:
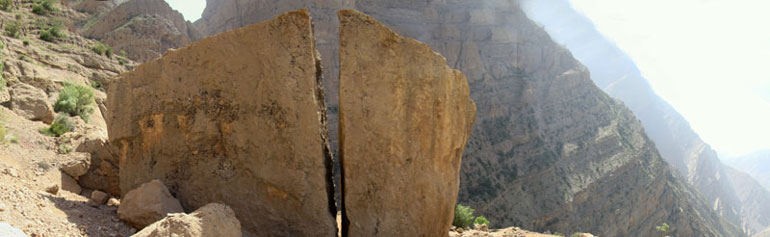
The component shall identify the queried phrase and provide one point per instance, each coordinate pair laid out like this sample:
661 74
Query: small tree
76 100
463 216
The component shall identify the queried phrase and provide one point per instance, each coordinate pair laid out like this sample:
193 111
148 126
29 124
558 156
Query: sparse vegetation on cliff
102 49
5 5
44 7
51 34
61 125
12 29
76 100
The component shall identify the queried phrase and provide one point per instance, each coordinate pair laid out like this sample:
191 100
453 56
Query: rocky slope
38 194
615 72
144 29
547 144
756 164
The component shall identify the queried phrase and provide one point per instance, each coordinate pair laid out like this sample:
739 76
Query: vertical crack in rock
405 118
327 153
237 118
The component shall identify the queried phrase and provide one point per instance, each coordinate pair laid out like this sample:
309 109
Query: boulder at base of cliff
147 204
237 118
31 103
405 117
211 220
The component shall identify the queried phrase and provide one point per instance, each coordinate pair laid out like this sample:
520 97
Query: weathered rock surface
31 103
223 15
210 220
103 172
77 164
143 28
405 118
238 119
145 205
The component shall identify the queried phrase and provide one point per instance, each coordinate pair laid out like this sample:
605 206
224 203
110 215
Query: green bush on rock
76 100
463 216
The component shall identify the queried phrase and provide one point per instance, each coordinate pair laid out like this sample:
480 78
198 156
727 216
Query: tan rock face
144 205
405 118
31 103
238 119
211 220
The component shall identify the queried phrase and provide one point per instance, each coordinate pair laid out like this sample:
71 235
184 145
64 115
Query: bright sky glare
709 58
191 9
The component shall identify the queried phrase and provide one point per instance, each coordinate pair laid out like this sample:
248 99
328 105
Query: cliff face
756 164
549 150
615 72
143 28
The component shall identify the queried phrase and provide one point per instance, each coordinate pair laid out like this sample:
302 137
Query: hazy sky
191 9
709 58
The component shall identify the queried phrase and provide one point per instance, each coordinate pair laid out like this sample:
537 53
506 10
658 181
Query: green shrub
51 34
463 216
26 42
123 53
76 100
12 29
102 49
5 5
61 125
481 220
38 9
663 228
44 7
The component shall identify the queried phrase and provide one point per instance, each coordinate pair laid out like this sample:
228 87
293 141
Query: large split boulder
144 205
31 103
211 220
405 117
237 118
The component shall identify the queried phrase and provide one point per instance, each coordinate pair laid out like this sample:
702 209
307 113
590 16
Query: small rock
147 204
77 164
12 172
482 227
211 220
113 202
53 189
99 197
2 207
459 230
